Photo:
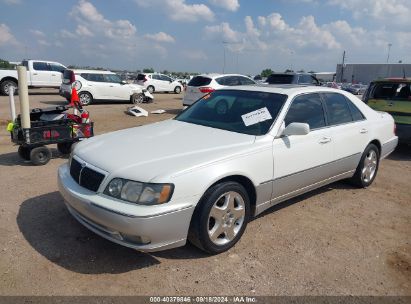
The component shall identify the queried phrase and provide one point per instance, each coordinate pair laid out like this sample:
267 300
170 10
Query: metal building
367 72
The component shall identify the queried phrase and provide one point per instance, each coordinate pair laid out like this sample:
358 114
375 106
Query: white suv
101 85
203 84
155 82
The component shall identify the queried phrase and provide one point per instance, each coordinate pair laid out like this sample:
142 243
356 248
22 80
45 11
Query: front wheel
367 168
220 218
137 98
85 98
24 152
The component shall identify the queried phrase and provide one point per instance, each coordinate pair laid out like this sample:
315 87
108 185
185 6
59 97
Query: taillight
72 77
206 89
145 79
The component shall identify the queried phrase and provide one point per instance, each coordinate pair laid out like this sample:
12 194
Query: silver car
233 154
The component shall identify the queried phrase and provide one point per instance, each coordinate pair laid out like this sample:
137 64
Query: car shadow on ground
43 93
50 229
402 152
13 158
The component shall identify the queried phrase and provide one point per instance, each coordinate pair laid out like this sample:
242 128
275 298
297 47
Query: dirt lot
336 241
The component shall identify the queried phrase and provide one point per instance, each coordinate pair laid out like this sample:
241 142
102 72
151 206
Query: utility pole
342 67
389 49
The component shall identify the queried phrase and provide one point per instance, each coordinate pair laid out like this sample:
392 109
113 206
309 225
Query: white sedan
231 155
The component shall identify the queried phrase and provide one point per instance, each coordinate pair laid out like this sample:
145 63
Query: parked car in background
227 158
356 89
203 84
40 74
393 96
292 78
155 82
94 85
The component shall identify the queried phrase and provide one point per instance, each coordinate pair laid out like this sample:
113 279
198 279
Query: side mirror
123 82
296 128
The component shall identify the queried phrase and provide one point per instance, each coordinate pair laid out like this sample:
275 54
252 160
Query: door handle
324 140
53 74
111 86
363 131
35 74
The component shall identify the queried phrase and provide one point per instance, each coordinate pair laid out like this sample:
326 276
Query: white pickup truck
40 74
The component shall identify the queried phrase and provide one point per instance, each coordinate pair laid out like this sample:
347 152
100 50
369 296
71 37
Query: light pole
389 49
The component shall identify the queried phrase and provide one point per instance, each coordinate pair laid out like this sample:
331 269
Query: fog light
136 239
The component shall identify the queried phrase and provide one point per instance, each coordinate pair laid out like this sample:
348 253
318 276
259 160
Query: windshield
247 112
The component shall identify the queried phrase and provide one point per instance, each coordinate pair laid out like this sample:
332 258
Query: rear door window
96 77
199 81
355 112
41 66
57 67
307 108
246 81
338 110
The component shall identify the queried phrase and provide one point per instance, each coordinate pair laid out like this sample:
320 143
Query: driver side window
306 108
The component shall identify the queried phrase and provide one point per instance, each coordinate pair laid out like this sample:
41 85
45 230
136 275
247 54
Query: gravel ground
337 240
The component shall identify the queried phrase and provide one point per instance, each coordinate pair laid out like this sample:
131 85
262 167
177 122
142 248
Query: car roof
285 89
216 75
91 71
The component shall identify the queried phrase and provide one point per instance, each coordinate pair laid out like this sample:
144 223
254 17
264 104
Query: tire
40 156
151 89
24 152
220 218
85 98
137 98
64 147
6 84
177 90
367 168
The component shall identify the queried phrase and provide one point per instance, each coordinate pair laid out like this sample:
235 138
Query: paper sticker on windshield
256 116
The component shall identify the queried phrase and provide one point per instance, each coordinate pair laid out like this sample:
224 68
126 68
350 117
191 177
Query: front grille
85 177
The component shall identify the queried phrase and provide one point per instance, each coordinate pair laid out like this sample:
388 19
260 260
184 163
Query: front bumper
146 233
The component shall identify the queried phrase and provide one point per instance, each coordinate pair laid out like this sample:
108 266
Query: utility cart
49 126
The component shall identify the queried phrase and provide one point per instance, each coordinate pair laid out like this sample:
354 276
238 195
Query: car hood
161 149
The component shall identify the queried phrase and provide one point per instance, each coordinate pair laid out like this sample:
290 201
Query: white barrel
24 97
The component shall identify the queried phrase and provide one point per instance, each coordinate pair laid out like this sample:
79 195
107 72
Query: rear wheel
6 85
367 168
220 218
40 156
150 89
137 98
85 98
177 90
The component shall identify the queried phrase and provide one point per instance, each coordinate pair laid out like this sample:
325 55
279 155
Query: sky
238 36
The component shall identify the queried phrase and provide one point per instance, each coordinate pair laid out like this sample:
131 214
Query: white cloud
160 37
11 2
179 10
231 5
223 33
195 55
38 33
394 12
92 22
6 37
82 30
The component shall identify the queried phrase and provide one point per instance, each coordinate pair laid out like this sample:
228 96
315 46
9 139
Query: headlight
139 193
